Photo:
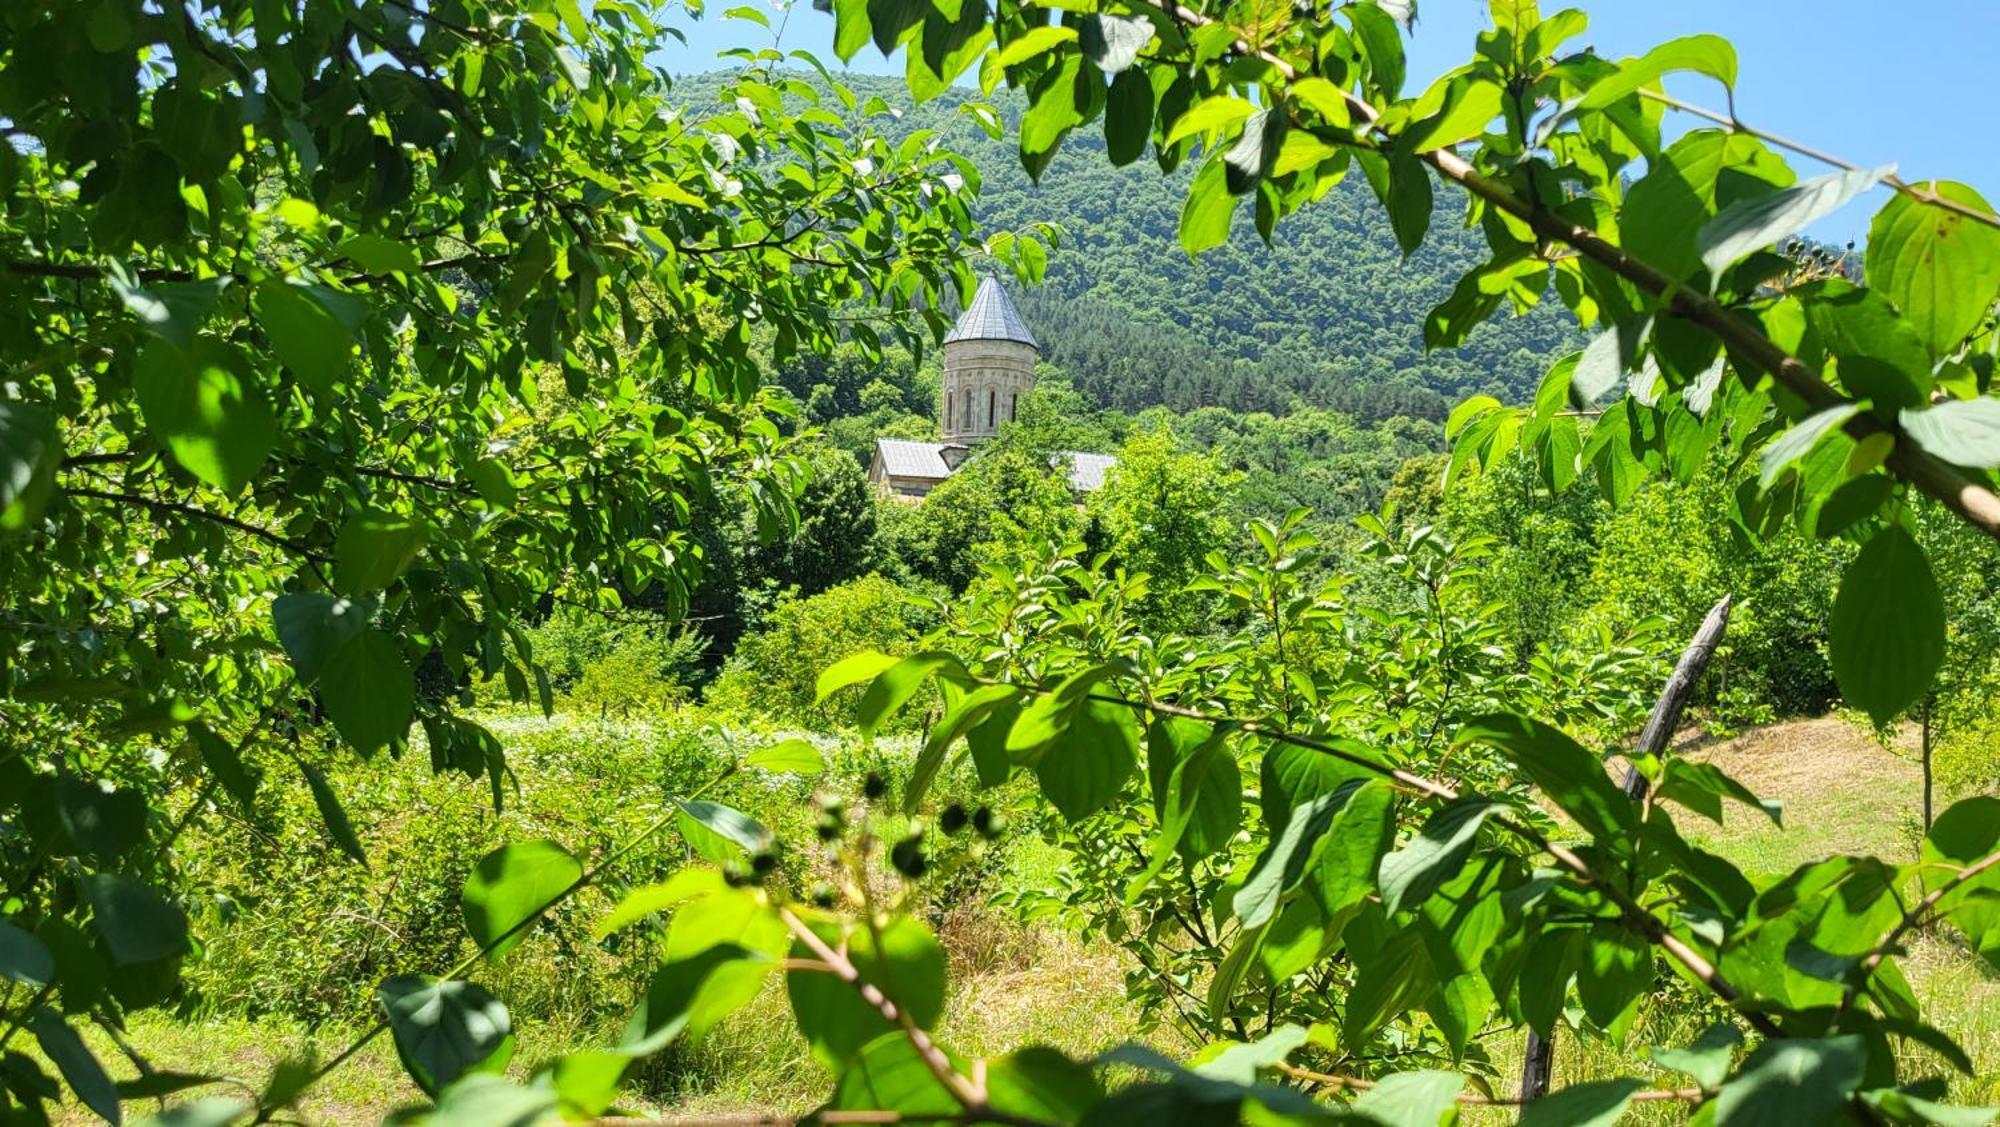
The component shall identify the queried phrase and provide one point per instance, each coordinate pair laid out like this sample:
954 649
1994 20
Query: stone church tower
989 364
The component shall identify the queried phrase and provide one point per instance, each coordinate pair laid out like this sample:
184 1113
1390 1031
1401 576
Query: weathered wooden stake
1539 1065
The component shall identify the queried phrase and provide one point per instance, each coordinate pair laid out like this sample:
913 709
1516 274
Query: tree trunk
1538 1069
1927 762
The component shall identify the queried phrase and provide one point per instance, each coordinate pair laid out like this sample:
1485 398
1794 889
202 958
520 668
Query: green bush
775 672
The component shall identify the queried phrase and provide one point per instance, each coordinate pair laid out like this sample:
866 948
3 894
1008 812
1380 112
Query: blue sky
1909 82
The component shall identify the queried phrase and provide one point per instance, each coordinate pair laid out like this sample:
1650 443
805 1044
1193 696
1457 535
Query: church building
989 365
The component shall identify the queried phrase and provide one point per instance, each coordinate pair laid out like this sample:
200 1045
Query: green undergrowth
291 973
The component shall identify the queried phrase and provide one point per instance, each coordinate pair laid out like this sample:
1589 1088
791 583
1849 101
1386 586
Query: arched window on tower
1013 405
992 401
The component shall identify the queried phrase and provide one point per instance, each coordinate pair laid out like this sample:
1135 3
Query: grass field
1843 793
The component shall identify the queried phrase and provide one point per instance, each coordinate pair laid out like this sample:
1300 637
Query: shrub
775 672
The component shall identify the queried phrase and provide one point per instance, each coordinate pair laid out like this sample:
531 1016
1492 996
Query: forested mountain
1332 315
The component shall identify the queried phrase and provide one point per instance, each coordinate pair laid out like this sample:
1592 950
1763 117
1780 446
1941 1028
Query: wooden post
1538 1067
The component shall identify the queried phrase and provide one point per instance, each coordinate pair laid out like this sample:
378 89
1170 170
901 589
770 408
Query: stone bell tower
989 364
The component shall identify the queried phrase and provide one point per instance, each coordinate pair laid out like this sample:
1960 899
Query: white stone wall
983 383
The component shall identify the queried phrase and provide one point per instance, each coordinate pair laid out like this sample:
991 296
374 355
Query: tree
1162 512
340 340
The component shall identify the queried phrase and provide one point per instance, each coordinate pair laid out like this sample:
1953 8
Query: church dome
991 316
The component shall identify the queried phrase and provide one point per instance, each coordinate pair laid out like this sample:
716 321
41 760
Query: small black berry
908 857
874 786
764 861
822 895
989 824
953 819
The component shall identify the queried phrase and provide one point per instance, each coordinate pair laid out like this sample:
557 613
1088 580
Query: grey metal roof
903 458
1086 471
991 316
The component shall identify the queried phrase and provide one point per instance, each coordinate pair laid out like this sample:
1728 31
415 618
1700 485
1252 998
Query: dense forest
1138 322
1536 655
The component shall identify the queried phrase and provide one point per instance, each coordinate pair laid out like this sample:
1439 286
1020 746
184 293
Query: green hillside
1332 315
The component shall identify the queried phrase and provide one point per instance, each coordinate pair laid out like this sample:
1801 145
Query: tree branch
1973 501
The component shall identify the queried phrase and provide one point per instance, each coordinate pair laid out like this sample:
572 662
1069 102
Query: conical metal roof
991 316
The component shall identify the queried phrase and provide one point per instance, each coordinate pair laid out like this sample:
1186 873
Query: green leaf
374 549
1792 1081
1255 152
369 692
1240 1063
1206 216
78 1066
899 957
1034 42
1282 867
30 452
1196 786
1616 969
1941 268
1425 1097
1113 42
1348 855
511 885
138 924
377 255
208 413
851 670
226 765
1876 352
1750 225
888 1075
1409 200
789 757
1571 777
1410 874
23 958
1089 761
586 1083
1964 432
333 814
174 311
963 711
307 336
710 828
1128 117
688 995
1966 833
1598 1104
1709 168
445 1028
1799 441
1708 1059
1470 105
105 822
1711 55
894 687
313 626
1886 638
1381 44
1210 115
1701 787
643 901
482 1100
1041 1083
